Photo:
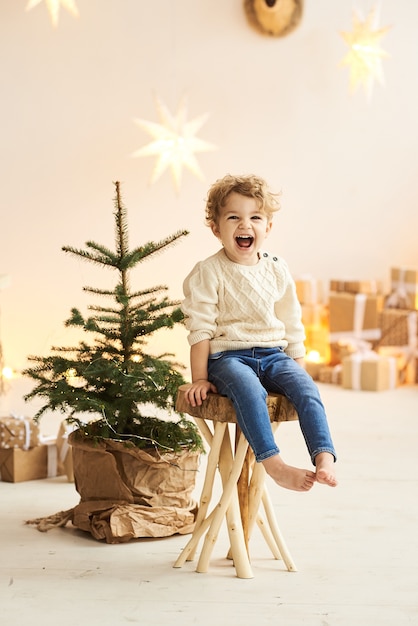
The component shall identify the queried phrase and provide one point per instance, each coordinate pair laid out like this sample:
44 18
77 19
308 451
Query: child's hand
198 391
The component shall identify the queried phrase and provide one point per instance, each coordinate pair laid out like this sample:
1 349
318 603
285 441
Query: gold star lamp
364 58
174 142
54 6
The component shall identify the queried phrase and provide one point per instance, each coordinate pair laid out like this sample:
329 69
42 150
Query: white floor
356 546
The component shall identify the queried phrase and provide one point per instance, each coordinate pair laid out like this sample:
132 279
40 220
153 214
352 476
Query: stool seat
220 408
243 484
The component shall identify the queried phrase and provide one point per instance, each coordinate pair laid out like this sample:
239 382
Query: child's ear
215 229
269 227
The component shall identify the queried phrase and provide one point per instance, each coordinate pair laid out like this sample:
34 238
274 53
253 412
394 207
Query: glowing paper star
54 8
175 142
365 55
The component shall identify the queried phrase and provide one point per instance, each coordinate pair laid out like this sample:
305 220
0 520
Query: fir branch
152 248
103 255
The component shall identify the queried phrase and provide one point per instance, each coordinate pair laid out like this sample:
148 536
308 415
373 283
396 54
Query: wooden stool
242 482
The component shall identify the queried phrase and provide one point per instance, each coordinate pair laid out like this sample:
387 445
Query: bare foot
325 472
287 476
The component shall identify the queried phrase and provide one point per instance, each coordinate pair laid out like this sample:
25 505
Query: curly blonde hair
251 186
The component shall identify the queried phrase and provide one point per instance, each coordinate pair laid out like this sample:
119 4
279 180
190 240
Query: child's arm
200 386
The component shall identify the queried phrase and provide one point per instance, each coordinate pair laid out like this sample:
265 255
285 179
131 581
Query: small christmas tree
112 376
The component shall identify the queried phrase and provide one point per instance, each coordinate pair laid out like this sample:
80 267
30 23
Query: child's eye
256 217
233 217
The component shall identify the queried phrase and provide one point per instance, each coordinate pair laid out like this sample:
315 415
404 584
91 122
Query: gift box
330 374
18 432
65 453
314 314
369 372
313 368
354 317
309 290
340 349
405 363
367 287
404 289
18 465
399 327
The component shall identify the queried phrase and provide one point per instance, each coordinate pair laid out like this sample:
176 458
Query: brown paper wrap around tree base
127 493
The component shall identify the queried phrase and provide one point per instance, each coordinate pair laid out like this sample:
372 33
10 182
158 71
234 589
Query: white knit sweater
243 306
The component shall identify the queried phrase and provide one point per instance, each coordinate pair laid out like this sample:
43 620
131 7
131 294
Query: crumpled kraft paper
128 493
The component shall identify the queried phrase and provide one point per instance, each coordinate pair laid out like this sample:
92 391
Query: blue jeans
246 377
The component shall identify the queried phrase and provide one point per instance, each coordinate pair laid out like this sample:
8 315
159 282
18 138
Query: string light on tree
364 58
54 6
174 142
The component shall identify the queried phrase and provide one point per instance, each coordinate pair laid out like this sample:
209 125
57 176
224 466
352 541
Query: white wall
279 107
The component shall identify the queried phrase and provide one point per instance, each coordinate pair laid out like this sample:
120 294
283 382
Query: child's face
242 229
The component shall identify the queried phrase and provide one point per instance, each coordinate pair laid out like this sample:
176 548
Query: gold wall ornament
174 142
276 18
364 58
53 7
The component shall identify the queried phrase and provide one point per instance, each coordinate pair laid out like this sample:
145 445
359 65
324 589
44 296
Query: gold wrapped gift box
369 372
404 288
405 361
309 290
330 374
18 432
354 315
315 315
357 286
65 453
399 327
17 465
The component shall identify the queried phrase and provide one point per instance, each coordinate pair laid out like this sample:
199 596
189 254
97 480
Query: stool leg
192 544
204 429
255 495
243 492
278 537
212 465
268 537
189 551
240 554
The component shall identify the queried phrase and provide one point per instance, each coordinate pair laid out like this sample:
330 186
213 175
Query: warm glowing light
53 7
174 142
73 379
313 356
364 58
7 373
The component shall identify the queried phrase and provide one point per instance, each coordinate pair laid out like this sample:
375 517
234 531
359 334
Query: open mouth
244 241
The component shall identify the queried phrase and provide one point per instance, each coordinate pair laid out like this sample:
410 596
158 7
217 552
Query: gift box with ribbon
330 374
404 289
407 371
65 454
353 323
315 315
368 371
18 465
398 327
309 290
356 286
354 316
400 332
18 432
